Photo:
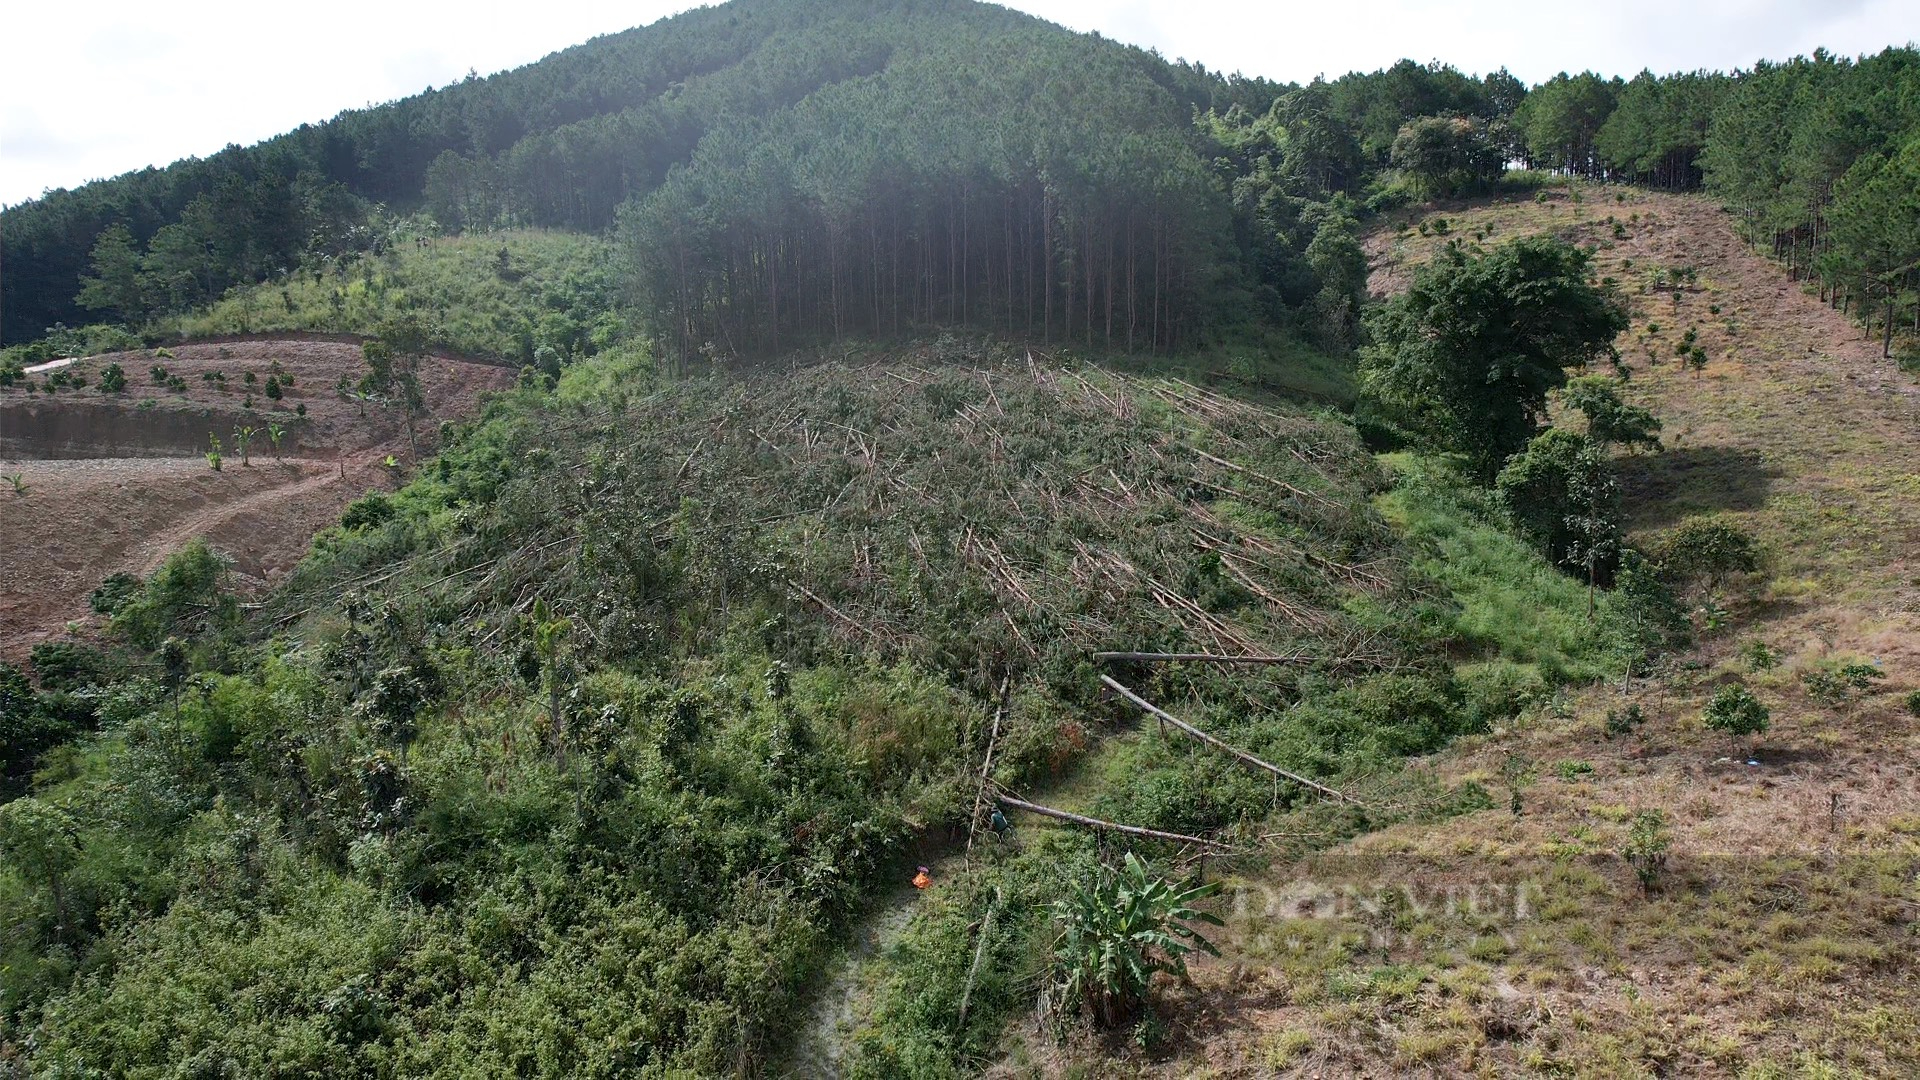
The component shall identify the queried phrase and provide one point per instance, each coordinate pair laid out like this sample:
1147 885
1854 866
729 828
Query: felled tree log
1166 717
1096 823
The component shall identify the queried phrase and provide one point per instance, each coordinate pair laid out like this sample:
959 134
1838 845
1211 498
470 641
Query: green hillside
520 295
578 754
907 386
565 142
780 175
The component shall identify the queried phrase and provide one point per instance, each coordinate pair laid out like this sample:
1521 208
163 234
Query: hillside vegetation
519 296
566 142
1647 896
1006 555
1062 191
576 755
1067 186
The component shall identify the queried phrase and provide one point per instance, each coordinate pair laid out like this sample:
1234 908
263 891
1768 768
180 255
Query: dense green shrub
187 595
1840 685
30 722
375 508
1500 690
916 1027
1561 492
114 592
1507 600
71 665
1737 712
1706 548
61 342
1644 616
1610 419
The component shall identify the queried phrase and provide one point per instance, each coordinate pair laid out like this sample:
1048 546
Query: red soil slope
119 481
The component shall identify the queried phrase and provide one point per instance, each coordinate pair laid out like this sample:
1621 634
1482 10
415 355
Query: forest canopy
781 173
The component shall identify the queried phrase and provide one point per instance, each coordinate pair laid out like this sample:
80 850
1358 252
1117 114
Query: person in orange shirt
922 879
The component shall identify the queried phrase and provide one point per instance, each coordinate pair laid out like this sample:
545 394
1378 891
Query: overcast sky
94 88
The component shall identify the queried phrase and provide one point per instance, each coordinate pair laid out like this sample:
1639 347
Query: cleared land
119 481
1779 940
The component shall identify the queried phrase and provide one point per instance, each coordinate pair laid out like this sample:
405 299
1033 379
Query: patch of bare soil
152 419
118 482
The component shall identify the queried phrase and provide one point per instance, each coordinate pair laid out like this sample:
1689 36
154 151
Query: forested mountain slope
789 172
564 142
1058 188
794 171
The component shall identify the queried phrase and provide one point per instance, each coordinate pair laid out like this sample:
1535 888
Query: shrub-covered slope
579 754
502 296
1648 895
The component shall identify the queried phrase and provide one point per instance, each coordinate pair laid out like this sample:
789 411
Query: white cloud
95 89
1298 40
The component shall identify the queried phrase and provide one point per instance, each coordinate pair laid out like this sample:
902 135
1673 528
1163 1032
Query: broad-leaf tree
1611 420
1467 356
1561 491
393 370
1445 156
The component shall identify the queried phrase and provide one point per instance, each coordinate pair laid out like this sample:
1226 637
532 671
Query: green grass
554 289
1269 361
1512 605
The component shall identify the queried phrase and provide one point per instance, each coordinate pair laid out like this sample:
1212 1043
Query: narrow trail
154 550
821 1047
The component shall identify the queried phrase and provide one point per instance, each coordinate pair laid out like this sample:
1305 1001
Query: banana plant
1120 931
241 437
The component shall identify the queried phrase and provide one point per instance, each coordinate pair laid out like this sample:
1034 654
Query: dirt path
81 520
117 482
820 1052
220 519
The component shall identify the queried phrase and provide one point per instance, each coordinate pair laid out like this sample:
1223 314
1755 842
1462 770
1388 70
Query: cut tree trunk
1167 717
1199 658
1096 823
